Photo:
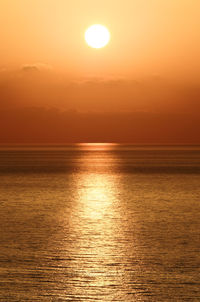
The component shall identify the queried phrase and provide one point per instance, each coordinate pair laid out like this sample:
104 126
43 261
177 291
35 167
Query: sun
97 36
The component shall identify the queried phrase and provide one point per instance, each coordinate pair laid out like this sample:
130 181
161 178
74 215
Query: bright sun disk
97 36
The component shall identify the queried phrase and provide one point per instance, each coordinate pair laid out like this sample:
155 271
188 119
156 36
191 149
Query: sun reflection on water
96 220
96 196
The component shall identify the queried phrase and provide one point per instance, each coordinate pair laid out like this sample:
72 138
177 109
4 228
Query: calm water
100 223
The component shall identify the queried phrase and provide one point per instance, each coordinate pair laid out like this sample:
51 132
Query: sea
99 222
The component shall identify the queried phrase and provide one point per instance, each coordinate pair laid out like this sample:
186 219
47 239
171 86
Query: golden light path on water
97 219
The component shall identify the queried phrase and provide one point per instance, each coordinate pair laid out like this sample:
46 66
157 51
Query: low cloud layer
40 125
37 105
39 85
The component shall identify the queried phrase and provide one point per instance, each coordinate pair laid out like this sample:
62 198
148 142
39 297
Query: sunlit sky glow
148 37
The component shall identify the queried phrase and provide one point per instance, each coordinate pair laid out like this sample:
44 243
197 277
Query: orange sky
148 37
152 63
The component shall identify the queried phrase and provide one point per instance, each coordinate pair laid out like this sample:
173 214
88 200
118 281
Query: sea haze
100 222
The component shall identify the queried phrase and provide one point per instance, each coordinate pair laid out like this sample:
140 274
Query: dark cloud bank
35 108
40 125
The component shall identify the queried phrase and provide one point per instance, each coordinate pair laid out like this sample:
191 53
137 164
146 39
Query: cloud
39 85
29 68
97 80
42 125
36 67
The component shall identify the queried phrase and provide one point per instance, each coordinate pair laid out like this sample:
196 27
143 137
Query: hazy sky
148 37
152 63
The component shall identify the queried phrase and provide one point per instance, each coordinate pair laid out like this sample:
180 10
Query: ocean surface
100 222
